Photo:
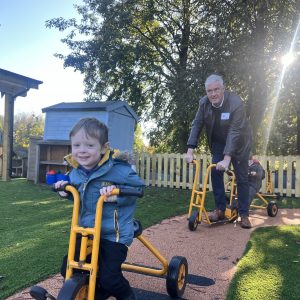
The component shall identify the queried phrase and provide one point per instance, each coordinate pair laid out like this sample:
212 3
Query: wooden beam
7 137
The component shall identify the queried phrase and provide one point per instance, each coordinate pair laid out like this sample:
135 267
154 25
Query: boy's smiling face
86 150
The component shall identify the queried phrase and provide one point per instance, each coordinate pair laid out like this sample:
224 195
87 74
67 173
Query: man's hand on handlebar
223 165
189 157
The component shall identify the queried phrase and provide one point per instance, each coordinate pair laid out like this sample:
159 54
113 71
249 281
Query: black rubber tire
137 227
177 276
38 293
75 288
272 209
193 220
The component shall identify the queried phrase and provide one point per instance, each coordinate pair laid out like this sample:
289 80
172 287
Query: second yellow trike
197 212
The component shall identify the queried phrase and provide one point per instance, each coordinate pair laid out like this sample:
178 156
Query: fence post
171 170
297 179
159 169
166 167
153 171
184 172
178 169
148 169
289 168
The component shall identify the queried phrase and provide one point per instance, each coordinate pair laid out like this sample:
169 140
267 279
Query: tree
25 126
138 145
156 55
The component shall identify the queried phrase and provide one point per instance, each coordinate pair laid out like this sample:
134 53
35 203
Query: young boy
96 171
256 174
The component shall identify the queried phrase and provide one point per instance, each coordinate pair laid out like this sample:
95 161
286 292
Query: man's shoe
245 222
216 215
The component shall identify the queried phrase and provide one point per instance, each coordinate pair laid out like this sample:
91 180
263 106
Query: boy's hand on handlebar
106 191
60 184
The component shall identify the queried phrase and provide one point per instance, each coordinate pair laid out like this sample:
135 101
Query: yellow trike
197 211
269 193
81 286
271 207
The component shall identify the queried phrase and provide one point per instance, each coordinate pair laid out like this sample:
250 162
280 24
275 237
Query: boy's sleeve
131 180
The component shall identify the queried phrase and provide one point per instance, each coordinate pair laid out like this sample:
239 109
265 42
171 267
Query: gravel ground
212 253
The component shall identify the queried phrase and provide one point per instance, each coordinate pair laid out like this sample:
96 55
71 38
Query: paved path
212 253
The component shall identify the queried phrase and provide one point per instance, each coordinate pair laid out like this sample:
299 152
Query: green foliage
138 145
157 54
27 125
270 267
35 225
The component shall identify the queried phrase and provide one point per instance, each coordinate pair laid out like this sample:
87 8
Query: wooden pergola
12 85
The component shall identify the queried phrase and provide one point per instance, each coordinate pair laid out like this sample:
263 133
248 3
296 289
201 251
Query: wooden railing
171 170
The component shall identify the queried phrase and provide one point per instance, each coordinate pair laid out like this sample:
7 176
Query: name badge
225 116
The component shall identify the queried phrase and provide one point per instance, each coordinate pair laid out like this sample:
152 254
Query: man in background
222 113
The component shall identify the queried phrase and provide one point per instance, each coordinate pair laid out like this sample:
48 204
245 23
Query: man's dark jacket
234 126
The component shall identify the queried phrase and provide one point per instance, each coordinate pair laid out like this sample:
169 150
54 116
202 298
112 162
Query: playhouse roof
104 106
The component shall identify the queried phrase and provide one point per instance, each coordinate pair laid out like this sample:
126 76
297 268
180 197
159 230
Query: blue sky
27 48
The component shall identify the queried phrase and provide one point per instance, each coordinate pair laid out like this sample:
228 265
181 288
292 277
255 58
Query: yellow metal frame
148 270
233 193
269 186
91 246
198 197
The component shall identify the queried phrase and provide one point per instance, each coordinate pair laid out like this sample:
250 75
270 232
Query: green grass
270 267
35 222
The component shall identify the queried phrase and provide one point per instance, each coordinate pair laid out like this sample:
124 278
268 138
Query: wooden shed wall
33 159
1 152
121 131
59 123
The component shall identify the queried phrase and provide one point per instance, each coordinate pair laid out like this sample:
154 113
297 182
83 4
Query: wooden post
7 137
297 185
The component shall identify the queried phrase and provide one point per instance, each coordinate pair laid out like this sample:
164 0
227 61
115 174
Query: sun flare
287 59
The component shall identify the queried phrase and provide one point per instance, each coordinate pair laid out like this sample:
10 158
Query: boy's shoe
216 215
245 222
132 296
100 294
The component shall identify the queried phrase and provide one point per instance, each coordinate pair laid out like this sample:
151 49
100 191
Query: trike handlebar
124 191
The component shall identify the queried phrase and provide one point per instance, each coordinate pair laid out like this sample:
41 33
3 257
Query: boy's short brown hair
93 128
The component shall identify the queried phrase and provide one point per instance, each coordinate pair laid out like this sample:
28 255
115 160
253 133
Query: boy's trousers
110 280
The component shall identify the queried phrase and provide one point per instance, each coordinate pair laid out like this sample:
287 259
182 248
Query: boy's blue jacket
117 217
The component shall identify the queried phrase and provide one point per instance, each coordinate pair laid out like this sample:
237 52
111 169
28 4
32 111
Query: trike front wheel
75 288
193 220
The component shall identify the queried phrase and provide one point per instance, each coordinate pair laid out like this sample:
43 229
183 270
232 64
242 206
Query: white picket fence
171 170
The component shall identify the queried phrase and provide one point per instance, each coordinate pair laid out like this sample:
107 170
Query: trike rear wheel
177 276
272 209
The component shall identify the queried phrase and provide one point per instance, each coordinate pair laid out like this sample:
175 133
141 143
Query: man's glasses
216 91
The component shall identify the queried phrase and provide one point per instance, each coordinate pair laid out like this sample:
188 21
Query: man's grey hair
213 78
